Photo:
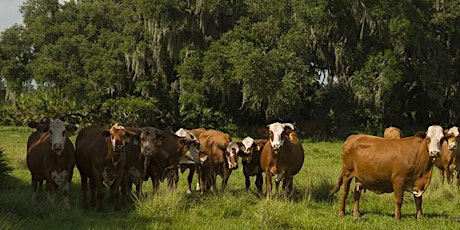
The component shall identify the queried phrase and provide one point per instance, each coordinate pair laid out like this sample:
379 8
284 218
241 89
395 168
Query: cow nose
276 146
119 148
435 153
57 146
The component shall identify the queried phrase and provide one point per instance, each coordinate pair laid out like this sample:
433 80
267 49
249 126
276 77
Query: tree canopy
234 65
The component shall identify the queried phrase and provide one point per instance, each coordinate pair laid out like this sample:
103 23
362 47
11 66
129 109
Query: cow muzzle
435 153
57 148
119 148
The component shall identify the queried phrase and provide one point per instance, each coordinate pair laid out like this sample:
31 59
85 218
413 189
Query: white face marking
434 135
453 134
194 146
60 178
148 138
57 136
276 130
248 142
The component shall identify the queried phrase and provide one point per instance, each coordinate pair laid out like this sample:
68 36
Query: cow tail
337 186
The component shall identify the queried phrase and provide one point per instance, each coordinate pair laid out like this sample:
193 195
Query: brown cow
134 166
281 157
162 151
392 133
101 157
249 151
51 157
447 162
221 159
387 165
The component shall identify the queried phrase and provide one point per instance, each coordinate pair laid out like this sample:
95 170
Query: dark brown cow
134 167
162 151
221 158
249 151
387 165
282 157
51 157
101 158
392 133
447 162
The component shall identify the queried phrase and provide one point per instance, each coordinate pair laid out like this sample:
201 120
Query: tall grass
235 208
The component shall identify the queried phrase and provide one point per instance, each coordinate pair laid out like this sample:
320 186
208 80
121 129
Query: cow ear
71 128
420 134
33 124
105 133
263 131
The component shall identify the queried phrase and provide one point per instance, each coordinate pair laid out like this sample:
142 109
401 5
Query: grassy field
236 208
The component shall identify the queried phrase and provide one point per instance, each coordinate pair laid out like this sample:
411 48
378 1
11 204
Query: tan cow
282 157
388 165
392 133
221 158
51 157
447 162
101 158
249 151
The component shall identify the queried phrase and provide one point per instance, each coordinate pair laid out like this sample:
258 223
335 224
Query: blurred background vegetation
234 65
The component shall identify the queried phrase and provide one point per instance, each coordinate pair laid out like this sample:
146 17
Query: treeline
356 65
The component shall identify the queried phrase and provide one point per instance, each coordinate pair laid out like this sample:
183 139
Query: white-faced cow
249 151
447 162
101 158
282 157
51 157
388 165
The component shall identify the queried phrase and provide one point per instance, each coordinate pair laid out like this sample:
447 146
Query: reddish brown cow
387 165
221 158
101 158
249 151
162 151
282 157
392 133
447 162
51 157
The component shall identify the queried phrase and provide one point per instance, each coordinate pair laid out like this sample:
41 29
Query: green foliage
5 169
130 110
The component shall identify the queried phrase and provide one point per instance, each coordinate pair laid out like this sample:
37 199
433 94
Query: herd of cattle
120 157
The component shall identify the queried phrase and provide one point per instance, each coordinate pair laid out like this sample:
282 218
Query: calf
249 151
387 165
51 157
101 158
191 160
221 158
282 157
392 133
447 162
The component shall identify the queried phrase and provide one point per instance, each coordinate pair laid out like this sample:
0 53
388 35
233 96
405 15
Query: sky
9 13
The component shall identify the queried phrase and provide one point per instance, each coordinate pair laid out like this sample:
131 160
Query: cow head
434 138
115 137
247 146
452 136
278 133
149 139
231 154
42 126
58 134
194 147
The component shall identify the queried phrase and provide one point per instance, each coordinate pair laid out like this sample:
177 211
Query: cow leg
287 186
35 187
51 188
115 194
398 199
155 184
441 174
84 190
99 192
225 177
247 181
277 185
268 182
418 205
259 182
92 187
346 188
65 193
356 197
449 176
190 178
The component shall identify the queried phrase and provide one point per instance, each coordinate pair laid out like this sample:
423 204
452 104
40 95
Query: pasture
235 208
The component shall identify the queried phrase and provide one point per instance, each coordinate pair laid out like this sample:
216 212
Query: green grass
236 208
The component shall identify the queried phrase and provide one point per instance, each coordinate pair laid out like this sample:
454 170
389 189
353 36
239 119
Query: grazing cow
249 151
101 158
282 157
387 165
392 133
162 151
447 162
51 157
221 158
191 160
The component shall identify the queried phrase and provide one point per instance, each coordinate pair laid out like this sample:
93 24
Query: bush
4 168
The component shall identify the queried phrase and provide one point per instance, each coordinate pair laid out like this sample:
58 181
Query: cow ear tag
159 142
135 141
127 139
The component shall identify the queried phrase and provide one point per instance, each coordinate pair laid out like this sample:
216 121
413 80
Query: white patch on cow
107 180
277 130
59 177
57 136
454 133
417 192
193 154
198 187
435 134
232 149
247 142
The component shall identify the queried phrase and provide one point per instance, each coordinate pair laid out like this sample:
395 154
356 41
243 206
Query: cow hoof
189 192
341 213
